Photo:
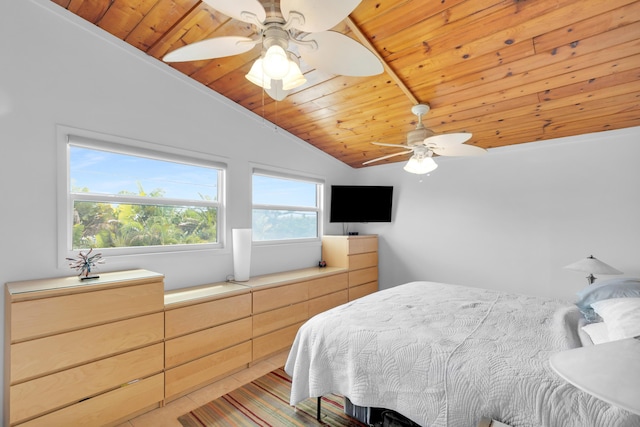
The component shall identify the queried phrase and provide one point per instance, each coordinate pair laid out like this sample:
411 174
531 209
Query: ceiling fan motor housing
418 135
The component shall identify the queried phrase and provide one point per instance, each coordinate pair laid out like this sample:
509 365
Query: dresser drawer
190 347
359 245
187 377
362 290
40 317
276 319
358 261
328 285
325 302
359 277
280 296
62 388
275 341
56 352
106 408
201 316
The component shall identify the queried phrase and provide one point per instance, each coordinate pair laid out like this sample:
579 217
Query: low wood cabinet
83 353
358 254
208 335
101 351
282 302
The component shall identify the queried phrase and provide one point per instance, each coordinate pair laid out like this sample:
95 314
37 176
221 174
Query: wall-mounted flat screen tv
360 203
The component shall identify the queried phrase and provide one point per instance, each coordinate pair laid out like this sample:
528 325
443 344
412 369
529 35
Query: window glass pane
273 191
283 224
102 172
140 201
113 225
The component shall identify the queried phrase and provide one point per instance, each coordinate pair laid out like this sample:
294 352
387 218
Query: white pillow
621 315
598 332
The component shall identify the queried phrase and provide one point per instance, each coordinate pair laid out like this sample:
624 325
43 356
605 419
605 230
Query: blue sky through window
105 172
269 190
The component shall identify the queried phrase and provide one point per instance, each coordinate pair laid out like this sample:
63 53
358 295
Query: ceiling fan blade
217 47
318 15
447 139
339 54
459 150
387 156
234 9
384 144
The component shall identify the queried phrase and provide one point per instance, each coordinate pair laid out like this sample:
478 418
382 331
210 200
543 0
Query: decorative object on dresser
358 254
84 263
88 353
592 265
241 254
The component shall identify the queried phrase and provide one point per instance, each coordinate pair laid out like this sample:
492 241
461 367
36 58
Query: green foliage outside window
283 225
107 225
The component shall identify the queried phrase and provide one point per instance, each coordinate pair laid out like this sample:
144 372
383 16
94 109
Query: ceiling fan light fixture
294 77
257 76
276 64
420 165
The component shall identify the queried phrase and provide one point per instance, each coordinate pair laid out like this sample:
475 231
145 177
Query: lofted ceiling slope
507 71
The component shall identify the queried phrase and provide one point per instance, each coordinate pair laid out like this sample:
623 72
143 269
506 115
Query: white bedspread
447 355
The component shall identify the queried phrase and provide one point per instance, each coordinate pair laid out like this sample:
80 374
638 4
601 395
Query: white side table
609 371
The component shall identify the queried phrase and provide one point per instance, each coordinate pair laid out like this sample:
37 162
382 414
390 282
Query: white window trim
91 139
299 176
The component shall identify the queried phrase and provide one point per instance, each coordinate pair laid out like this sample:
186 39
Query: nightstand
609 371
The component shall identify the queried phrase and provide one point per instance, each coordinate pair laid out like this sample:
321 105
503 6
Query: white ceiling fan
304 23
424 143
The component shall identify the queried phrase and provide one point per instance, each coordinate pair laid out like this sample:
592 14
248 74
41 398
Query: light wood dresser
208 335
83 353
282 302
99 352
358 254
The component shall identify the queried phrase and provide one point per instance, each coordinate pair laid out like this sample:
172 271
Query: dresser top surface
278 279
62 285
179 297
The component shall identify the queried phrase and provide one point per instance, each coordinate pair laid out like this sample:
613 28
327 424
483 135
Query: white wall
512 219
70 73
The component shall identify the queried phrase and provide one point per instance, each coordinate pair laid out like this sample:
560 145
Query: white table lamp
592 265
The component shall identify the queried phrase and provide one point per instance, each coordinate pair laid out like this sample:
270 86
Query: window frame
318 209
92 140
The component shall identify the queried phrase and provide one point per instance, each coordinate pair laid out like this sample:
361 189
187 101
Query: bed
448 355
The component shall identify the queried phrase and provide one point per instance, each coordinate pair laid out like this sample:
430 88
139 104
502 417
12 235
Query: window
285 207
123 199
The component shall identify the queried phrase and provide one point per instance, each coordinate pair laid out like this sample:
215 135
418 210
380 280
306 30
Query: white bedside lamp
592 265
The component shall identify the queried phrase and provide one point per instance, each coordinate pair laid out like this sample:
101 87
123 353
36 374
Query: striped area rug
265 403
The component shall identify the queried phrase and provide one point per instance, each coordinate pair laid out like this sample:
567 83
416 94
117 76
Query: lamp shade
593 266
420 165
257 76
276 63
294 77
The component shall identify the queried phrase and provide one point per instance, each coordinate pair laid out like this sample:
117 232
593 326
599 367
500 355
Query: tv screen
360 203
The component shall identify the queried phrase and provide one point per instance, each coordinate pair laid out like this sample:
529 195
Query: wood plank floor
167 416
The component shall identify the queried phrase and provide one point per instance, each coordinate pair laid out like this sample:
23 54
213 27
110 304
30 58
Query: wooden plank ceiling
508 71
